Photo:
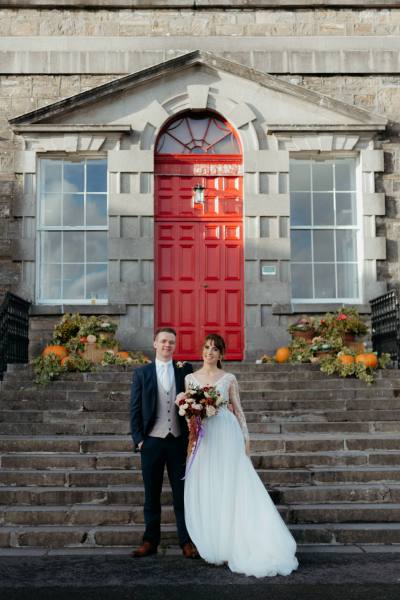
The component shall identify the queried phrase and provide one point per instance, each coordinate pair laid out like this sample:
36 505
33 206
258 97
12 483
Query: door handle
205 285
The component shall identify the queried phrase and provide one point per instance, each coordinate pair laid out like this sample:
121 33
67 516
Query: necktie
165 378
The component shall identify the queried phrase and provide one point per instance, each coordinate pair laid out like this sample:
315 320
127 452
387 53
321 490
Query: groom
161 437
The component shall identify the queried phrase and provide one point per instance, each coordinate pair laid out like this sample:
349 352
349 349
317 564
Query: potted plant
345 322
303 328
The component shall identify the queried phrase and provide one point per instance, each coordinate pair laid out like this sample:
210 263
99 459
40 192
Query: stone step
286 442
126 515
128 460
122 427
80 536
132 495
270 477
118 412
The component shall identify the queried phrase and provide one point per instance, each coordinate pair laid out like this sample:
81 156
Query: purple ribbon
200 436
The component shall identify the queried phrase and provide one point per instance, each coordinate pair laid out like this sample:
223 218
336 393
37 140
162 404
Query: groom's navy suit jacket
144 395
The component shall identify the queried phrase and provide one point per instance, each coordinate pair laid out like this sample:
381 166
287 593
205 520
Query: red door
199 251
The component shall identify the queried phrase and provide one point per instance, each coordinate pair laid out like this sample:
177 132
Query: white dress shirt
165 373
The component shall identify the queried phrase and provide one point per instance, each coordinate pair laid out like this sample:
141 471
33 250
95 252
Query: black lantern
198 194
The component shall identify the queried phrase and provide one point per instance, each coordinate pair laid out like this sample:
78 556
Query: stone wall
46 55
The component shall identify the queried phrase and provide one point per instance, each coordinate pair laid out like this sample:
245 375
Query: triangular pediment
279 104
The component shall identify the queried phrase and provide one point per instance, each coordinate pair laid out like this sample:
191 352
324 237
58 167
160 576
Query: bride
229 514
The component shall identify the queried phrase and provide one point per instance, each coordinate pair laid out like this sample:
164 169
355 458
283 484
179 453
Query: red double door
199 252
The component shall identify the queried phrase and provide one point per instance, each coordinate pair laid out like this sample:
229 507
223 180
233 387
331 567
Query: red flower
342 317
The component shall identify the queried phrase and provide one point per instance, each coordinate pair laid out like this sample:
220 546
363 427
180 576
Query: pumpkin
91 339
282 354
346 359
60 351
64 360
124 355
369 359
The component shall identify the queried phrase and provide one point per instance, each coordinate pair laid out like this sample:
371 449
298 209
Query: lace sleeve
237 408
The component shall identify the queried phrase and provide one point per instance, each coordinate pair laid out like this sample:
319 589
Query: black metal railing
14 331
385 325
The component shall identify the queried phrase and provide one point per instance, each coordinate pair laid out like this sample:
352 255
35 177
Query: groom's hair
164 330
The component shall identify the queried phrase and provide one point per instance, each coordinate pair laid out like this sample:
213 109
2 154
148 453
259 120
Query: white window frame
358 228
46 228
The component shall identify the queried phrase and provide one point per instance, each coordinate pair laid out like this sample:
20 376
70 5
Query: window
72 231
324 230
198 133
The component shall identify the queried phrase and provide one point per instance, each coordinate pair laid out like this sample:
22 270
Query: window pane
51 175
346 210
347 280
300 245
322 175
302 281
300 175
51 281
50 209
51 246
74 177
96 175
73 210
345 174
96 209
73 246
96 281
323 209
300 208
346 244
323 246
96 246
325 280
73 282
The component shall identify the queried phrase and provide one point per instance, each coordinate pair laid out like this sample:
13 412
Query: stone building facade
305 90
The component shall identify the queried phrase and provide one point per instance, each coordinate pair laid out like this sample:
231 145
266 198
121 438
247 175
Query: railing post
385 325
14 331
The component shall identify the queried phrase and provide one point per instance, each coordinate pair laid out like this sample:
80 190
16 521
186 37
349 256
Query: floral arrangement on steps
82 343
330 341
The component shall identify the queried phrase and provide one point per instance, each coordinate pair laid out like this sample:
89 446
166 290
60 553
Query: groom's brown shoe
146 549
190 551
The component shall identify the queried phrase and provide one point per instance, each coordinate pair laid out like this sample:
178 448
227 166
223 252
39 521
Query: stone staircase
327 449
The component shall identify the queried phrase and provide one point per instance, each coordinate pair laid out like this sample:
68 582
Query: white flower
197 406
211 411
181 413
105 325
185 406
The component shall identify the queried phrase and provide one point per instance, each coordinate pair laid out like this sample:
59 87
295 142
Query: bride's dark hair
218 342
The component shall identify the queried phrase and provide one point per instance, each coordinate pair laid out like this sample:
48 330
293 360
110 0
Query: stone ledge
290 309
200 4
38 310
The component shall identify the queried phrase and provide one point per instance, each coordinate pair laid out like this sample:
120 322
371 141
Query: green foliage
75 362
300 351
47 368
332 365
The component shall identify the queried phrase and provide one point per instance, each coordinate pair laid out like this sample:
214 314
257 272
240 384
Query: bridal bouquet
196 404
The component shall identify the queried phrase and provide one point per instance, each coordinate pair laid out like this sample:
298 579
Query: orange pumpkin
346 359
369 359
60 351
64 360
123 355
282 354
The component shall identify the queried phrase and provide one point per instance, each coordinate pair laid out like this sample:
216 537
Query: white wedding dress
228 512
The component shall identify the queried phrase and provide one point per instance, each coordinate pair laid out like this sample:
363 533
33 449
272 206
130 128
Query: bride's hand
247 447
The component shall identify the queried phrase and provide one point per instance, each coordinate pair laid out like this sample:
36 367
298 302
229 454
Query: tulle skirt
229 514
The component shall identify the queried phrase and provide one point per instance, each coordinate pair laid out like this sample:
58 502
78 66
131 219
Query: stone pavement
352 575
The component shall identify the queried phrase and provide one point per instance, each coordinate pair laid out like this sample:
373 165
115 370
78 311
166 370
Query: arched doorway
199 266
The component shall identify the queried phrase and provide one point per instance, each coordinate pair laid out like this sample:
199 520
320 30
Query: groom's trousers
156 453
